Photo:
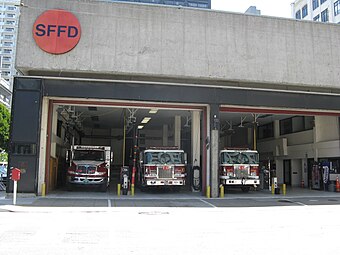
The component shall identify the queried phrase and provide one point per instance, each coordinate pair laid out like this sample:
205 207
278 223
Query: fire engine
89 166
239 168
162 166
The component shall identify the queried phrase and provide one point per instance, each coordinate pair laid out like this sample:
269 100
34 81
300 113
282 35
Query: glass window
324 16
286 126
304 11
266 131
309 122
322 1
315 4
164 157
298 14
24 149
88 155
317 18
296 124
239 157
337 8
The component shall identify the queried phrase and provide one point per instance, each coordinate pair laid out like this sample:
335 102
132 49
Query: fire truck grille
164 173
240 173
85 169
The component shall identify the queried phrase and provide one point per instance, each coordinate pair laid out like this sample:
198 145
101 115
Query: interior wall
296 172
327 128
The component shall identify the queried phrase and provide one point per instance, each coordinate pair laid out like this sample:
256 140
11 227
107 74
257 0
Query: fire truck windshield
237 157
88 155
164 157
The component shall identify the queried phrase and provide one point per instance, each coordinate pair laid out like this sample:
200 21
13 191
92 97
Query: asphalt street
301 222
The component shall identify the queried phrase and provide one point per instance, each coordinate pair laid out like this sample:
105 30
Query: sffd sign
56 31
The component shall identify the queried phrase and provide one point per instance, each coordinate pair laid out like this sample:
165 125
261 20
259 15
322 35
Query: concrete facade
158 42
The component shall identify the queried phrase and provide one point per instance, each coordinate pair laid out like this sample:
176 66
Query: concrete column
214 149
165 135
43 141
214 163
54 132
195 138
177 136
276 128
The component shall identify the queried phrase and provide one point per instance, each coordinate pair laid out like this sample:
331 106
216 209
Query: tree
4 127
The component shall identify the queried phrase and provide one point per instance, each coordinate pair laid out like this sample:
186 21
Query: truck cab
89 166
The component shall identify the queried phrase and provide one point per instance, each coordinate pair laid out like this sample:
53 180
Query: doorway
287 172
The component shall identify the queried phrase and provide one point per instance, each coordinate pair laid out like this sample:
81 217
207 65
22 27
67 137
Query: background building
9 17
205 4
317 10
253 10
5 93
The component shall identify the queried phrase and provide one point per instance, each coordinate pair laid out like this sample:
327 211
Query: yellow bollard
43 189
273 189
132 189
284 190
118 189
221 191
208 192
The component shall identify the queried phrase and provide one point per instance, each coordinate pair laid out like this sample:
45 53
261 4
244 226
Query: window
266 131
317 18
296 124
304 11
337 8
315 4
322 1
298 14
286 126
24 149
324 16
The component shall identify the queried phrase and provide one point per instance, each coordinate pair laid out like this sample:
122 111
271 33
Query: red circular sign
56 31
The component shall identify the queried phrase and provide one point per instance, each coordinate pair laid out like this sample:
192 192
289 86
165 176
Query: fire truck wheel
103 187
125 191
69 187
245 189
142 188
176 188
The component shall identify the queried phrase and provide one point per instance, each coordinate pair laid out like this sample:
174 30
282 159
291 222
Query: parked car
3 174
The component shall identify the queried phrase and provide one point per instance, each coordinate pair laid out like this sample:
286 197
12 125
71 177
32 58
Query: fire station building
92 71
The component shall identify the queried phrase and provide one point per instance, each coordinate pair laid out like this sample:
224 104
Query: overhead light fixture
146 120
153 111
140 127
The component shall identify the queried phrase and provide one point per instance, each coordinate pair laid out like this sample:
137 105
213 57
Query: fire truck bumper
239 182
86 180
165 182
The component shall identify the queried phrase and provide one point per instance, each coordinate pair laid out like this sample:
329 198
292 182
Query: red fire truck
162 166
89 166
239 168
